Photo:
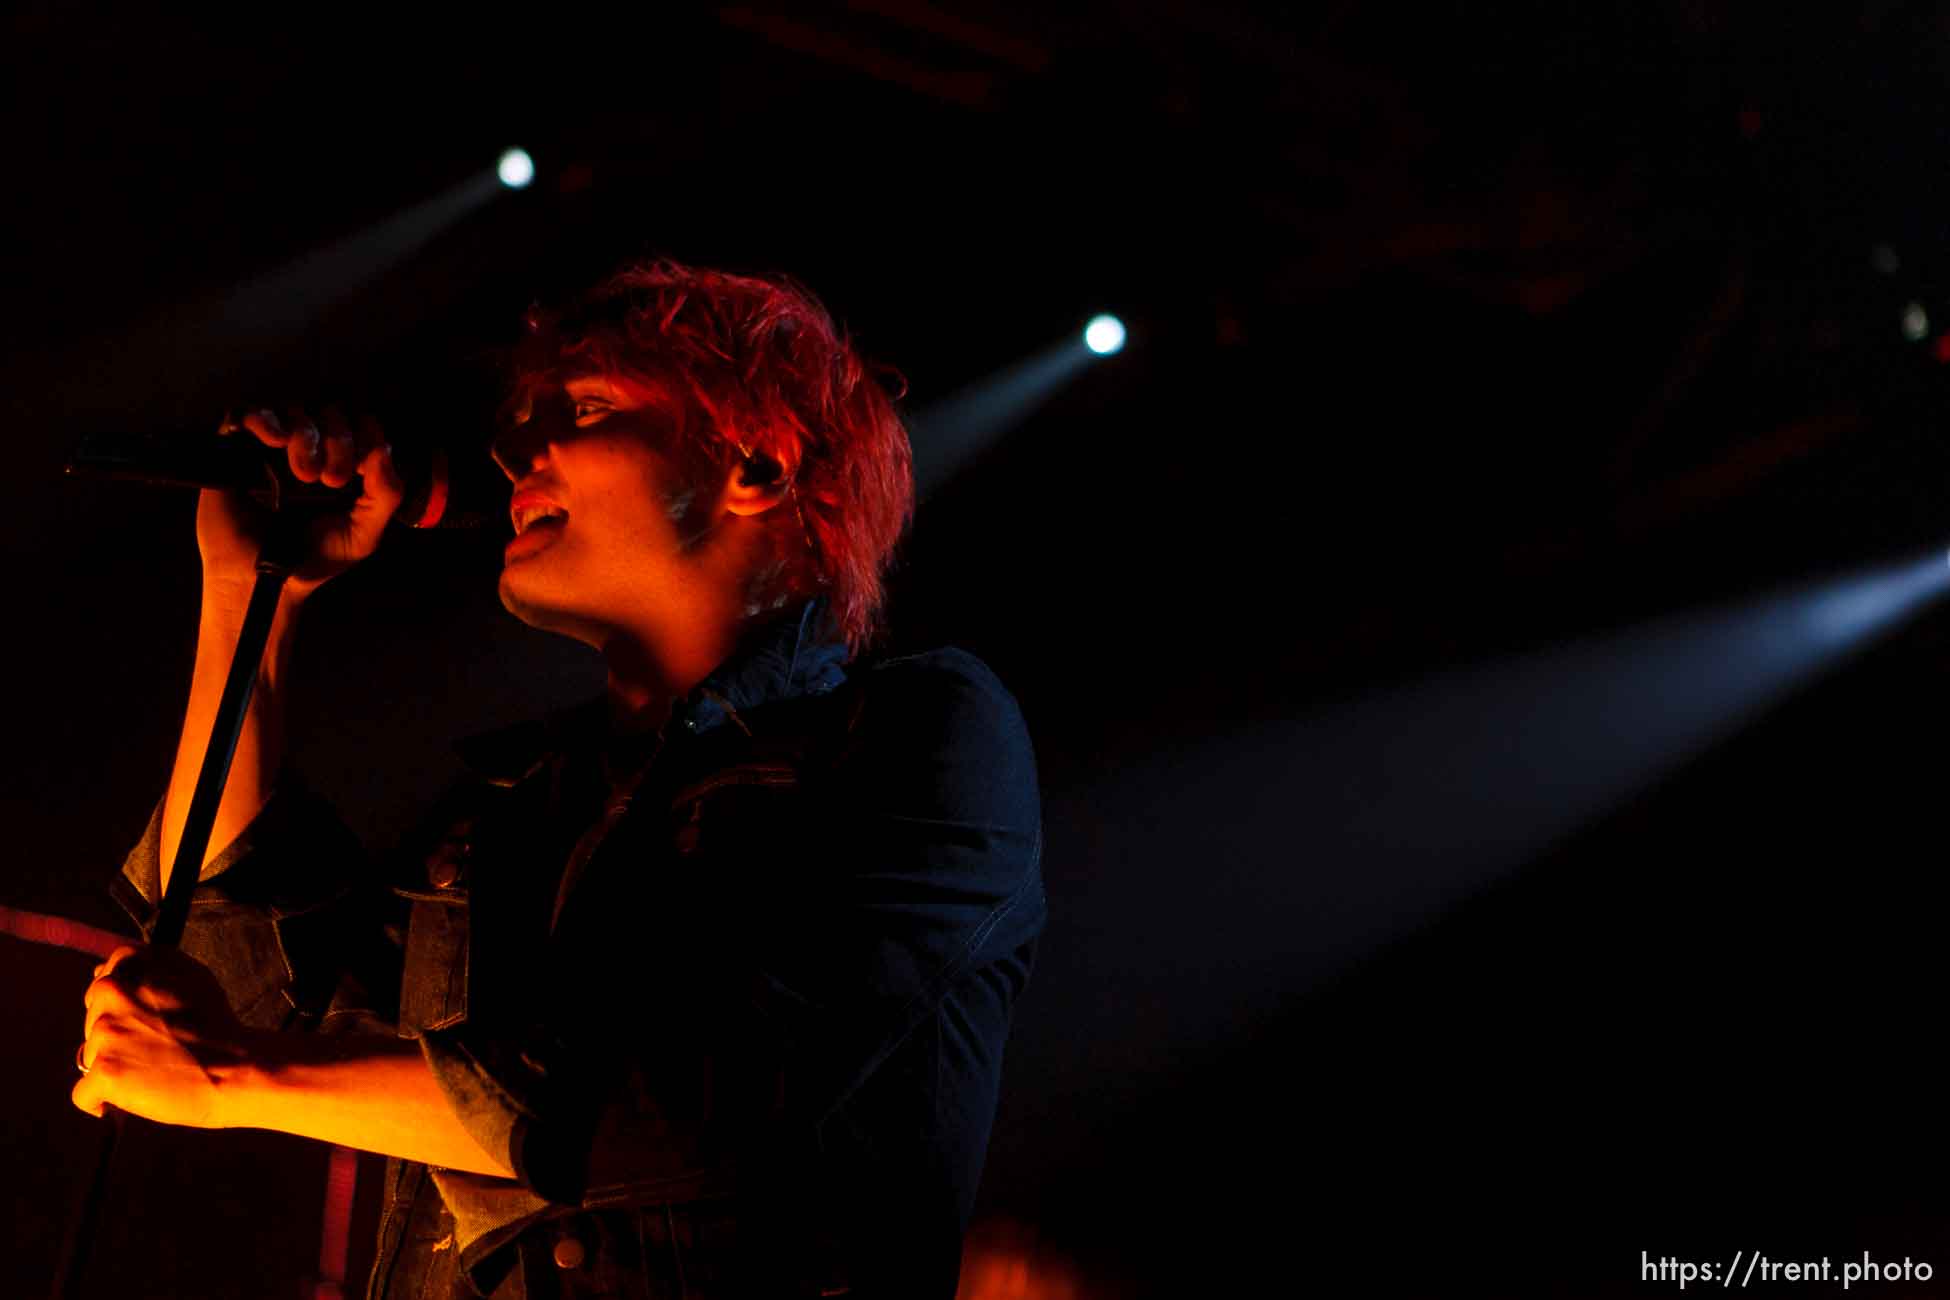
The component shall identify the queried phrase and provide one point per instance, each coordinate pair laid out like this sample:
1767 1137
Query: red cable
335 1239
59 932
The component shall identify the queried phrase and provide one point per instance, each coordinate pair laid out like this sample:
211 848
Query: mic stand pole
275 561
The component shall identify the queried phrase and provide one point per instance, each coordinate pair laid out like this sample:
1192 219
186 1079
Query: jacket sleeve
932 848
285 917
750 999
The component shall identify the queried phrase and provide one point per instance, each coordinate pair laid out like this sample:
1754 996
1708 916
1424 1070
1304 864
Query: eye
589 406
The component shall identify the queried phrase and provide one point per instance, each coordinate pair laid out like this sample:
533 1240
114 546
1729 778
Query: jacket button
568 1253
443 871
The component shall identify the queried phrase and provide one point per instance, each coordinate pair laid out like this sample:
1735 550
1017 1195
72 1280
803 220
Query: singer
700 988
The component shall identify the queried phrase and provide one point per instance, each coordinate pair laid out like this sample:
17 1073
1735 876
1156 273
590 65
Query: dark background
1458 332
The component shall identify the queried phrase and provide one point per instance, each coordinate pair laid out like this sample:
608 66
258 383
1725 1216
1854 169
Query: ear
756 484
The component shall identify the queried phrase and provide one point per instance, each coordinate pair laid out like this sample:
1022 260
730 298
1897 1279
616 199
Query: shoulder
948 669
942 719
945 688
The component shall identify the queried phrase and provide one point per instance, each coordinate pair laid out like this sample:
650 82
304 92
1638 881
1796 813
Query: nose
519 449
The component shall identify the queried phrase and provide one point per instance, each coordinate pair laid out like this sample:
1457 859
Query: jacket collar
799 653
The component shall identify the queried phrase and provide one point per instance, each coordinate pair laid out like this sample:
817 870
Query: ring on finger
80 1064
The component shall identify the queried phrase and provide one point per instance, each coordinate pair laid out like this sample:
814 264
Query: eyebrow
652 394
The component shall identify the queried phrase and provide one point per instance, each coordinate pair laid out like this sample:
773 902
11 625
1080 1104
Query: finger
306 449
88 1053
266 427
107 1000
103 1035
106 1077
119 974
379 497
122 1047
341 458
93 1049
87 1093
120 955
381 481
129 968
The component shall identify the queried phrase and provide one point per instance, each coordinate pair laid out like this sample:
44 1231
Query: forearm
368 1092
260 742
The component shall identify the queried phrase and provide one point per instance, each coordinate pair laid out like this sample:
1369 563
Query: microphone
246 465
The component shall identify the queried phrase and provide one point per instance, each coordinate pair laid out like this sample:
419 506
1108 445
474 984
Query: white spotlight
1916 322
1104 335
516 168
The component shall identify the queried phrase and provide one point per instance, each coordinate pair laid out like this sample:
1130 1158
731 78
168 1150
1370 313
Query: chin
546 617
522 604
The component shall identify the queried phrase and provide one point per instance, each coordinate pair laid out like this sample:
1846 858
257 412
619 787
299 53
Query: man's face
608 511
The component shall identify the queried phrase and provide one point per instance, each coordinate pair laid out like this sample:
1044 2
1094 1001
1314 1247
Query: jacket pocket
433 987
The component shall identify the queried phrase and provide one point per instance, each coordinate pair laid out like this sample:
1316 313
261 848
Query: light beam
950 434
1319 840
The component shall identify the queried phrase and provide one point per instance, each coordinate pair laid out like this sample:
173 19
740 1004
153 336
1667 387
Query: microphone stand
275 562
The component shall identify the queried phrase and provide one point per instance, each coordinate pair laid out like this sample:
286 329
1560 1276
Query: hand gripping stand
275 562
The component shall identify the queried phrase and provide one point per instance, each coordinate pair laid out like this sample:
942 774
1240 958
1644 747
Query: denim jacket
730 999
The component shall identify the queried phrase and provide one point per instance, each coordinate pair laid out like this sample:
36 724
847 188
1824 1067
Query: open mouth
539 516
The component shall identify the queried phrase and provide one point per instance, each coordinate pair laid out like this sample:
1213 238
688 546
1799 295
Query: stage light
1916 322
1104 335
516 169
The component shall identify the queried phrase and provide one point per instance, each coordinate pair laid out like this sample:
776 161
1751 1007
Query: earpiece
761 470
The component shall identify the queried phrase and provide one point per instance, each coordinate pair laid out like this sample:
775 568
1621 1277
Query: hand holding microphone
230 527
345 475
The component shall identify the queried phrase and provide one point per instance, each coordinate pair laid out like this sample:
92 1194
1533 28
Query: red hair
757 367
